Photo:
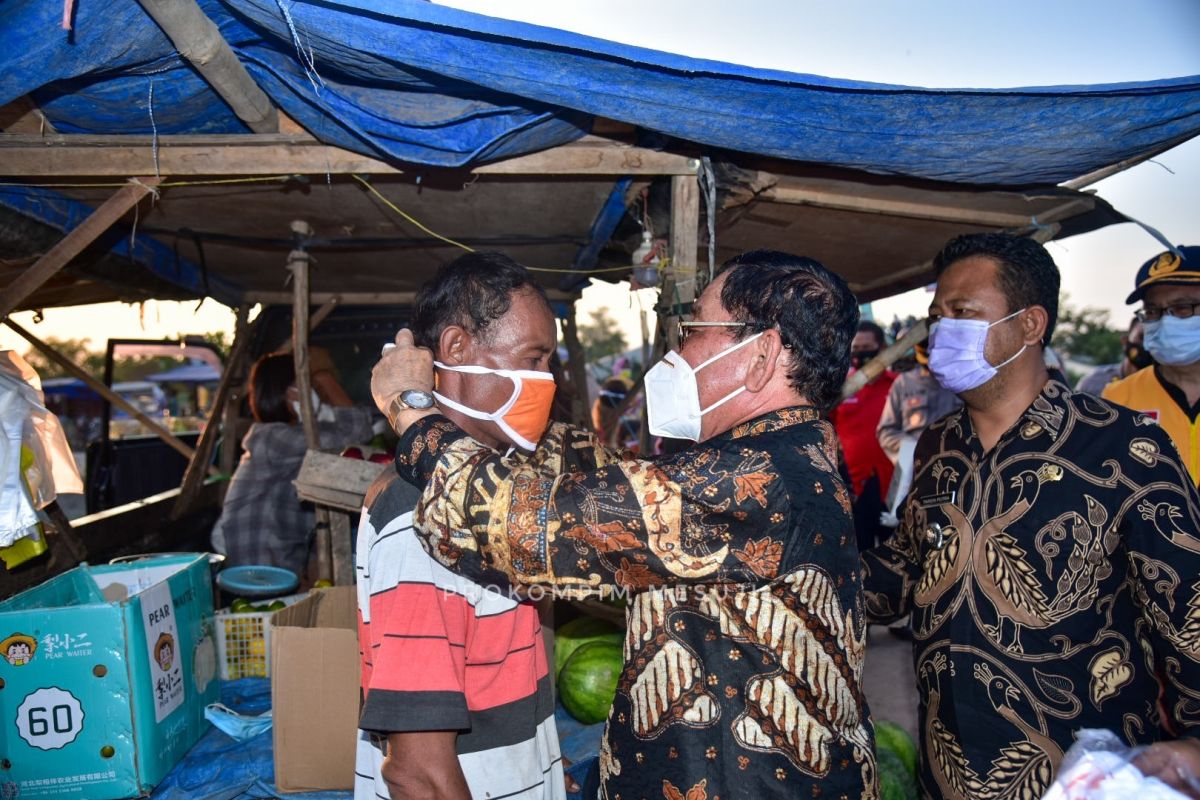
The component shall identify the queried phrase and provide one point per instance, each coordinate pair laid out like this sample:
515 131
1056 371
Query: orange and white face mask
526 413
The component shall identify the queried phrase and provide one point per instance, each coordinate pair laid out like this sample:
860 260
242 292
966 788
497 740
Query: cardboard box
314 691
105 674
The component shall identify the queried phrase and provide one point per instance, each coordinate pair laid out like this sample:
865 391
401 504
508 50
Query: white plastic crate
244 641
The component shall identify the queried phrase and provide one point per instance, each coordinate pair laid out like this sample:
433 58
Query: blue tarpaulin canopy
425 87
411 81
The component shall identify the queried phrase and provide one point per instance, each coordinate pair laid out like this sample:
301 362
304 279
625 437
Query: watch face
414 398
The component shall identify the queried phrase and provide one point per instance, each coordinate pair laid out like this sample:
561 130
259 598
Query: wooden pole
577 365
198 40
317 318
890 354
74 242
193 477
108 394
299 263
231 413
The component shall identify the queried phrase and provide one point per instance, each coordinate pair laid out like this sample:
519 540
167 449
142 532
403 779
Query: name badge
935 500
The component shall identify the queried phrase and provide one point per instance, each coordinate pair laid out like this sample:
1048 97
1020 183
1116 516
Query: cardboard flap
336 607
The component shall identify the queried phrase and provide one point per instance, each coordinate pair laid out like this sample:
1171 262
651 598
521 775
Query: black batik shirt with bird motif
1054 584
745 640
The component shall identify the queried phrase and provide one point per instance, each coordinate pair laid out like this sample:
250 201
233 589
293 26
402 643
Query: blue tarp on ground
405 80
219 767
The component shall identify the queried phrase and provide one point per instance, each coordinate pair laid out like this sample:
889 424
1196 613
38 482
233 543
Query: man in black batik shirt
1048 551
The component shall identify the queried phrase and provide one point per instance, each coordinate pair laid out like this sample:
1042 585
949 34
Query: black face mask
859 359
1138 356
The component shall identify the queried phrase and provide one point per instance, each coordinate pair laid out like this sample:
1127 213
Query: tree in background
75 350
1084 334
218 339
602 336
79 352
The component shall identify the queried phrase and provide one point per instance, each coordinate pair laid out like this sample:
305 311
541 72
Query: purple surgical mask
956 356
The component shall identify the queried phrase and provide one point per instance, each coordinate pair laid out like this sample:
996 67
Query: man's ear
765 359
454 345
1034 323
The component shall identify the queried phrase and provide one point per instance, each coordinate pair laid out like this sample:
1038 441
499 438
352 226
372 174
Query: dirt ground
889 683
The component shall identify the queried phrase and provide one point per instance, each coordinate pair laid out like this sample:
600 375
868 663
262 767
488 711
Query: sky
931 43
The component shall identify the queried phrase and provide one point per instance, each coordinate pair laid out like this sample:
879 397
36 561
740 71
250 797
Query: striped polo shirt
440 652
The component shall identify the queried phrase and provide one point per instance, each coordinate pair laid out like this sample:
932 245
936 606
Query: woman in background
263 520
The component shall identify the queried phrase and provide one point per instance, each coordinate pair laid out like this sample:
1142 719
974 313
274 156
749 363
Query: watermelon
588 681
895 782
890 736
579 631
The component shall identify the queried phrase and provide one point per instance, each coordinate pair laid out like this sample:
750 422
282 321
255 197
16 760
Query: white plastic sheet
25 420
1099 767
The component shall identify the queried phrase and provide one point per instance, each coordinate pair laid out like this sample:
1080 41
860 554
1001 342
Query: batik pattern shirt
745 637
1054 584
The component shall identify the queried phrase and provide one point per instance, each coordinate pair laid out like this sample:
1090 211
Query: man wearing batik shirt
1048 552
457 697
744 649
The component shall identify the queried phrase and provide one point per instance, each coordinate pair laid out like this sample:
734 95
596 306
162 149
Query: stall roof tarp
409 81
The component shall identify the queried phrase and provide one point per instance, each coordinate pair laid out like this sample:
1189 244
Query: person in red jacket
855 420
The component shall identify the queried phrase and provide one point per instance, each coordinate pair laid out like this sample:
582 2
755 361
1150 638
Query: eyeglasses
1178 310
684 326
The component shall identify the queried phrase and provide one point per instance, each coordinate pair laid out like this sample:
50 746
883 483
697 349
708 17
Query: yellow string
664 266
411 219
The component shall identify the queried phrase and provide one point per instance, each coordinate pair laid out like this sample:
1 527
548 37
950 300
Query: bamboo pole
74 242
108 394
890 354
317 318
193 477
231 413
299 263
199 41
577 365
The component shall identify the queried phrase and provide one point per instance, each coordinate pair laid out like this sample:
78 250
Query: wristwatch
415 398
409 398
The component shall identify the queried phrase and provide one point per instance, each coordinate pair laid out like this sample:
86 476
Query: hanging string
153 130
708 181
307 60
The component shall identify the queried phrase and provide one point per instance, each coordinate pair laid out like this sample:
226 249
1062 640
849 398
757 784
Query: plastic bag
901 483
1099 767
28 428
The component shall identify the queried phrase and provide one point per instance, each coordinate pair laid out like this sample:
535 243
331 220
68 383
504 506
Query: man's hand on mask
402 367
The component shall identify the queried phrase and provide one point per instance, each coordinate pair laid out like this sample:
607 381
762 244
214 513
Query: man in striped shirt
457 700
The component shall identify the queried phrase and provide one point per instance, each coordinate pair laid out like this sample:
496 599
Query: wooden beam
231 414
341 553
685 225
577 368
73 243
890 354
366 298
199 41
99 388
1112 169
316 319
795 194
193 476
289 154
22 116
299 263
